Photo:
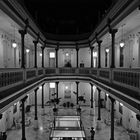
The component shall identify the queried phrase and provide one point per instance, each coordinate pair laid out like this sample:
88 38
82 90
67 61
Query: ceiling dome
67 18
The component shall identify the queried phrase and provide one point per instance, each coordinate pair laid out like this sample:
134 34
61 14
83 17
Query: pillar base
43 111
98 125
23 138
112 139
36 124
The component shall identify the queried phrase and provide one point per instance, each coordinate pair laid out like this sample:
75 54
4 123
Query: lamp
14 44
122 41
67 54
107 50
27 50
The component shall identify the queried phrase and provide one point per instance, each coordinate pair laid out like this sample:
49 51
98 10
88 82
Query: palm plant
80 99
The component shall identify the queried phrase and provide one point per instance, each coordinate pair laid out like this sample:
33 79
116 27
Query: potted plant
80 99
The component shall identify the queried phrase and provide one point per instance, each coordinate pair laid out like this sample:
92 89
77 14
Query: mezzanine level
123 84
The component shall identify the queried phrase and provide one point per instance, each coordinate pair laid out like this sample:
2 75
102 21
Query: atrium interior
69 77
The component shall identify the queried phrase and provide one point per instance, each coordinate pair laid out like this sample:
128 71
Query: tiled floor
45 123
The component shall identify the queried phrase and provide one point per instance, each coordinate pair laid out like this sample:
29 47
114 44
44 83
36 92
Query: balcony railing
128 78
10 77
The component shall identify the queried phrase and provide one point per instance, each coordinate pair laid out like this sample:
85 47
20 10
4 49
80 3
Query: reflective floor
45 122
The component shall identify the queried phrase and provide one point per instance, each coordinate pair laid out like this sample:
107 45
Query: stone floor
87 117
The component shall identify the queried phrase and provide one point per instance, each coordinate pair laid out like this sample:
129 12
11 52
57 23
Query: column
56 51
99 53
22 33
91 48
112 117
35 56
91 95
99 110
42 48
77 90
77 55
56 89
42 105
23 117
113 32
36 118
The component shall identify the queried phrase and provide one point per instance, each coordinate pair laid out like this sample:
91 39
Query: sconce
107 50
67 54
27 50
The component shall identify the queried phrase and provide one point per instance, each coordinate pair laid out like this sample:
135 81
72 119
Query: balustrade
104 73
67 70
30 73
84 71
128 78
50 70
9 77
40 71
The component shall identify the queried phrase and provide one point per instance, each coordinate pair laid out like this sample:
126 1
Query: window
52 85
52 55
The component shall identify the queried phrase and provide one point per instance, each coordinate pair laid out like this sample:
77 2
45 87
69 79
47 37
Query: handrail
128 78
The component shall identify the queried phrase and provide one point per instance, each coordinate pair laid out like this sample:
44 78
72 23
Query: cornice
119 11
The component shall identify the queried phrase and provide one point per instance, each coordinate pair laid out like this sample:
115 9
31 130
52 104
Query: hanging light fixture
107 50
27 50
14 44
122 41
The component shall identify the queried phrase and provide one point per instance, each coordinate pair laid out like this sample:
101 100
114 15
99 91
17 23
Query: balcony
126 81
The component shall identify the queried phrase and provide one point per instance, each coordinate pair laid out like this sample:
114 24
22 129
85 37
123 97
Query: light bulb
40 87
40 54
122 43
14 44
107 50
27 50
67 54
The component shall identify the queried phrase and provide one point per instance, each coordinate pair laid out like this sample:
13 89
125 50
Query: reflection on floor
45 123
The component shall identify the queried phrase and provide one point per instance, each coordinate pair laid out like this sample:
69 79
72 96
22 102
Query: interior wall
85 56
